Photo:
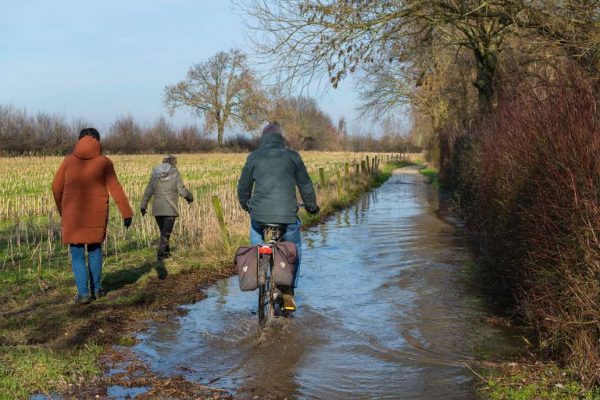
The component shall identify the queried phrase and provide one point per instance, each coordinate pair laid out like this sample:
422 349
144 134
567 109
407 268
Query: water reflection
346 214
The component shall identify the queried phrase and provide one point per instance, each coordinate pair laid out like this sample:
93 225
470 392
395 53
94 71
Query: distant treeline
22 133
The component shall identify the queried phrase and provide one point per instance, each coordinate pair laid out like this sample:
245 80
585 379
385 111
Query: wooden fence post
339 182
322 177
219 211
347 176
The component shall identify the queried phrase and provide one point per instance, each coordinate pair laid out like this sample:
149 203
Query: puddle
44 397
120 392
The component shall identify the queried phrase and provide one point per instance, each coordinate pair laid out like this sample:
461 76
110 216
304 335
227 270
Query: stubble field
31 254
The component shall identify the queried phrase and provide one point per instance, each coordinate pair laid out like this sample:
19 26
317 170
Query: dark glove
143 211
315 210
189 199
127 222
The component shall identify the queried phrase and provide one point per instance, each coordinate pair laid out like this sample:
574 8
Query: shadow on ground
114 280
49 318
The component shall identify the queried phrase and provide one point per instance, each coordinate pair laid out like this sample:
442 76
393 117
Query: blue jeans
292 234
80 270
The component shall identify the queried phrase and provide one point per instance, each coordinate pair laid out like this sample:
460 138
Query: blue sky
103 59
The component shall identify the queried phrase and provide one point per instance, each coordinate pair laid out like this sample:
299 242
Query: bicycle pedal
288 302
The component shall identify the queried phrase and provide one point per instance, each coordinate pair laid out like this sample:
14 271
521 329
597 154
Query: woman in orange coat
81 188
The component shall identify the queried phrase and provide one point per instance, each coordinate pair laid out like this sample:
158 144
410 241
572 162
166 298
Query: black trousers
165 225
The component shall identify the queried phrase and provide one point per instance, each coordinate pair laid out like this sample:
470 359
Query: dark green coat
267 186
165 185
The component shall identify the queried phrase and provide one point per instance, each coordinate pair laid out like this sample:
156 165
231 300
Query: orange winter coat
81 187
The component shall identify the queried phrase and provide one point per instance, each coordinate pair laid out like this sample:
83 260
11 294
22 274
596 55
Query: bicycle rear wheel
261 306
264 292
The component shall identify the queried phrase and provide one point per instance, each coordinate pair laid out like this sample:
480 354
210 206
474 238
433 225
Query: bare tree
337 37
223 90
573 25
305 124
125 135
342 126
41 133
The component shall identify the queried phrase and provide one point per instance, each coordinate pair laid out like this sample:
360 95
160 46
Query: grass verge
521 381
432 175
26 367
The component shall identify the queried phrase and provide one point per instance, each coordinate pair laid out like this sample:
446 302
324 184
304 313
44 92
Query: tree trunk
487 60
220 132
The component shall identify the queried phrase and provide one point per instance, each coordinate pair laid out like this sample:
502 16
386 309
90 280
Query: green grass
546 382
432 175
388 168
127 341
28 364
29 370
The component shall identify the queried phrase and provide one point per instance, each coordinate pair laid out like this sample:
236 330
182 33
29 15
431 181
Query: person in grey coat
267 190
165 185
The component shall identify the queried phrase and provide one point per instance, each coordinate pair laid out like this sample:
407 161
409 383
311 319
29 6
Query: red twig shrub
529 181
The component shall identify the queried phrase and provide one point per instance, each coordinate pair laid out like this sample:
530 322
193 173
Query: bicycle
270 296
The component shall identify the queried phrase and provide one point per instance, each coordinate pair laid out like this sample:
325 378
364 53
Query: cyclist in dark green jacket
267 188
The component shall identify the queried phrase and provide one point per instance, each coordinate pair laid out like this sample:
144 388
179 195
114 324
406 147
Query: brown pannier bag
246 262
285 256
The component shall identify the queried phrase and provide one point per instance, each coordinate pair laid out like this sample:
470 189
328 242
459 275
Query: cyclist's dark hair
272 127
90 132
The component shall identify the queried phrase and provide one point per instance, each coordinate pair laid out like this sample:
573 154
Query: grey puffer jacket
165 185
267 186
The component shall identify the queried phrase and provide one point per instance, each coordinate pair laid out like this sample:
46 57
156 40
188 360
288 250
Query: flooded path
385 311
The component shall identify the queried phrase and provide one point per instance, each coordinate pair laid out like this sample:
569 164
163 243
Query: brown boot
289 304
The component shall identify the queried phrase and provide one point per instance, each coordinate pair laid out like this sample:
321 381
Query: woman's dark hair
90 132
